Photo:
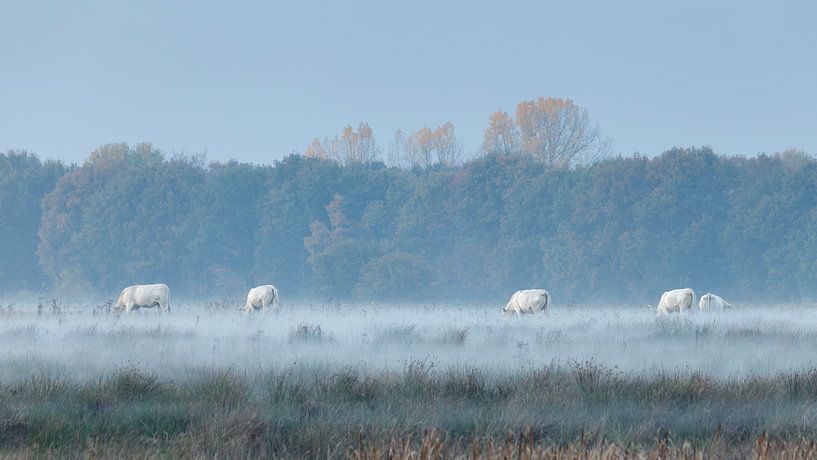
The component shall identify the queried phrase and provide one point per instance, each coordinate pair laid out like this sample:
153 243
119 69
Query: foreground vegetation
369 381
319 413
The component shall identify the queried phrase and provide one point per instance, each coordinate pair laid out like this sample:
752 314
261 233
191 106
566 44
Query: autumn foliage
554 131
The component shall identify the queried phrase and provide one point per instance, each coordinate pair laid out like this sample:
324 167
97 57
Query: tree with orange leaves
427 147
501 136
316 150
352 146
558 132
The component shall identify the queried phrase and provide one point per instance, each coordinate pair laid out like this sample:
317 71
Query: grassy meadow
417 381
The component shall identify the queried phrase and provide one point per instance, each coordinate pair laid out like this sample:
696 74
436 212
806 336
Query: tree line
619 229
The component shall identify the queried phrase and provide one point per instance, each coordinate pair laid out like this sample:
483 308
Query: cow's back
152 292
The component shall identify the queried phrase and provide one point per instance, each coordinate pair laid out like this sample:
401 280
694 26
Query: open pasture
325 380
83 340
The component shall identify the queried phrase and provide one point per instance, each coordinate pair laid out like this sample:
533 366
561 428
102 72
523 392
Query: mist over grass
82 340
316 380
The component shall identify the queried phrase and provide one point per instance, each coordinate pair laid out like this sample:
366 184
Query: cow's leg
264 305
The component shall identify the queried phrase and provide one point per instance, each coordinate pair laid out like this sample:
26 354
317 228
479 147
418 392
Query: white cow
711 301
528 301
261 298
144 296
679 300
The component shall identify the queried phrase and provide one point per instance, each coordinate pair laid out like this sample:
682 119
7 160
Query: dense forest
622 229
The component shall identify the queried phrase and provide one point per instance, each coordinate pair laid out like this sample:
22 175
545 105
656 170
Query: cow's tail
547 302
276 300
168 299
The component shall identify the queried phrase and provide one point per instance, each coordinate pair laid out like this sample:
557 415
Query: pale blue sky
256 80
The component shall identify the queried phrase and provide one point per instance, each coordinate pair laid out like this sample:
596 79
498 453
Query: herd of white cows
527 301
675 301
682 300
158 295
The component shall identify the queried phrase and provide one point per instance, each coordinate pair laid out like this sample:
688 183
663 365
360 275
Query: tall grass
525 445
414 383
422 411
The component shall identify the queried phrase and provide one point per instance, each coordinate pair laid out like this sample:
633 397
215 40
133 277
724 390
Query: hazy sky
253 81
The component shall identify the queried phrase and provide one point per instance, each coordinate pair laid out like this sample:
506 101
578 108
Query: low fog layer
81 341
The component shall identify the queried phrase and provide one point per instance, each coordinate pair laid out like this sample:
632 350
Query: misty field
320 380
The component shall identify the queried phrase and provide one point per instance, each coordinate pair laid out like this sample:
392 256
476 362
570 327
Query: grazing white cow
679 300
528 301
711 301
144 296
261 298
